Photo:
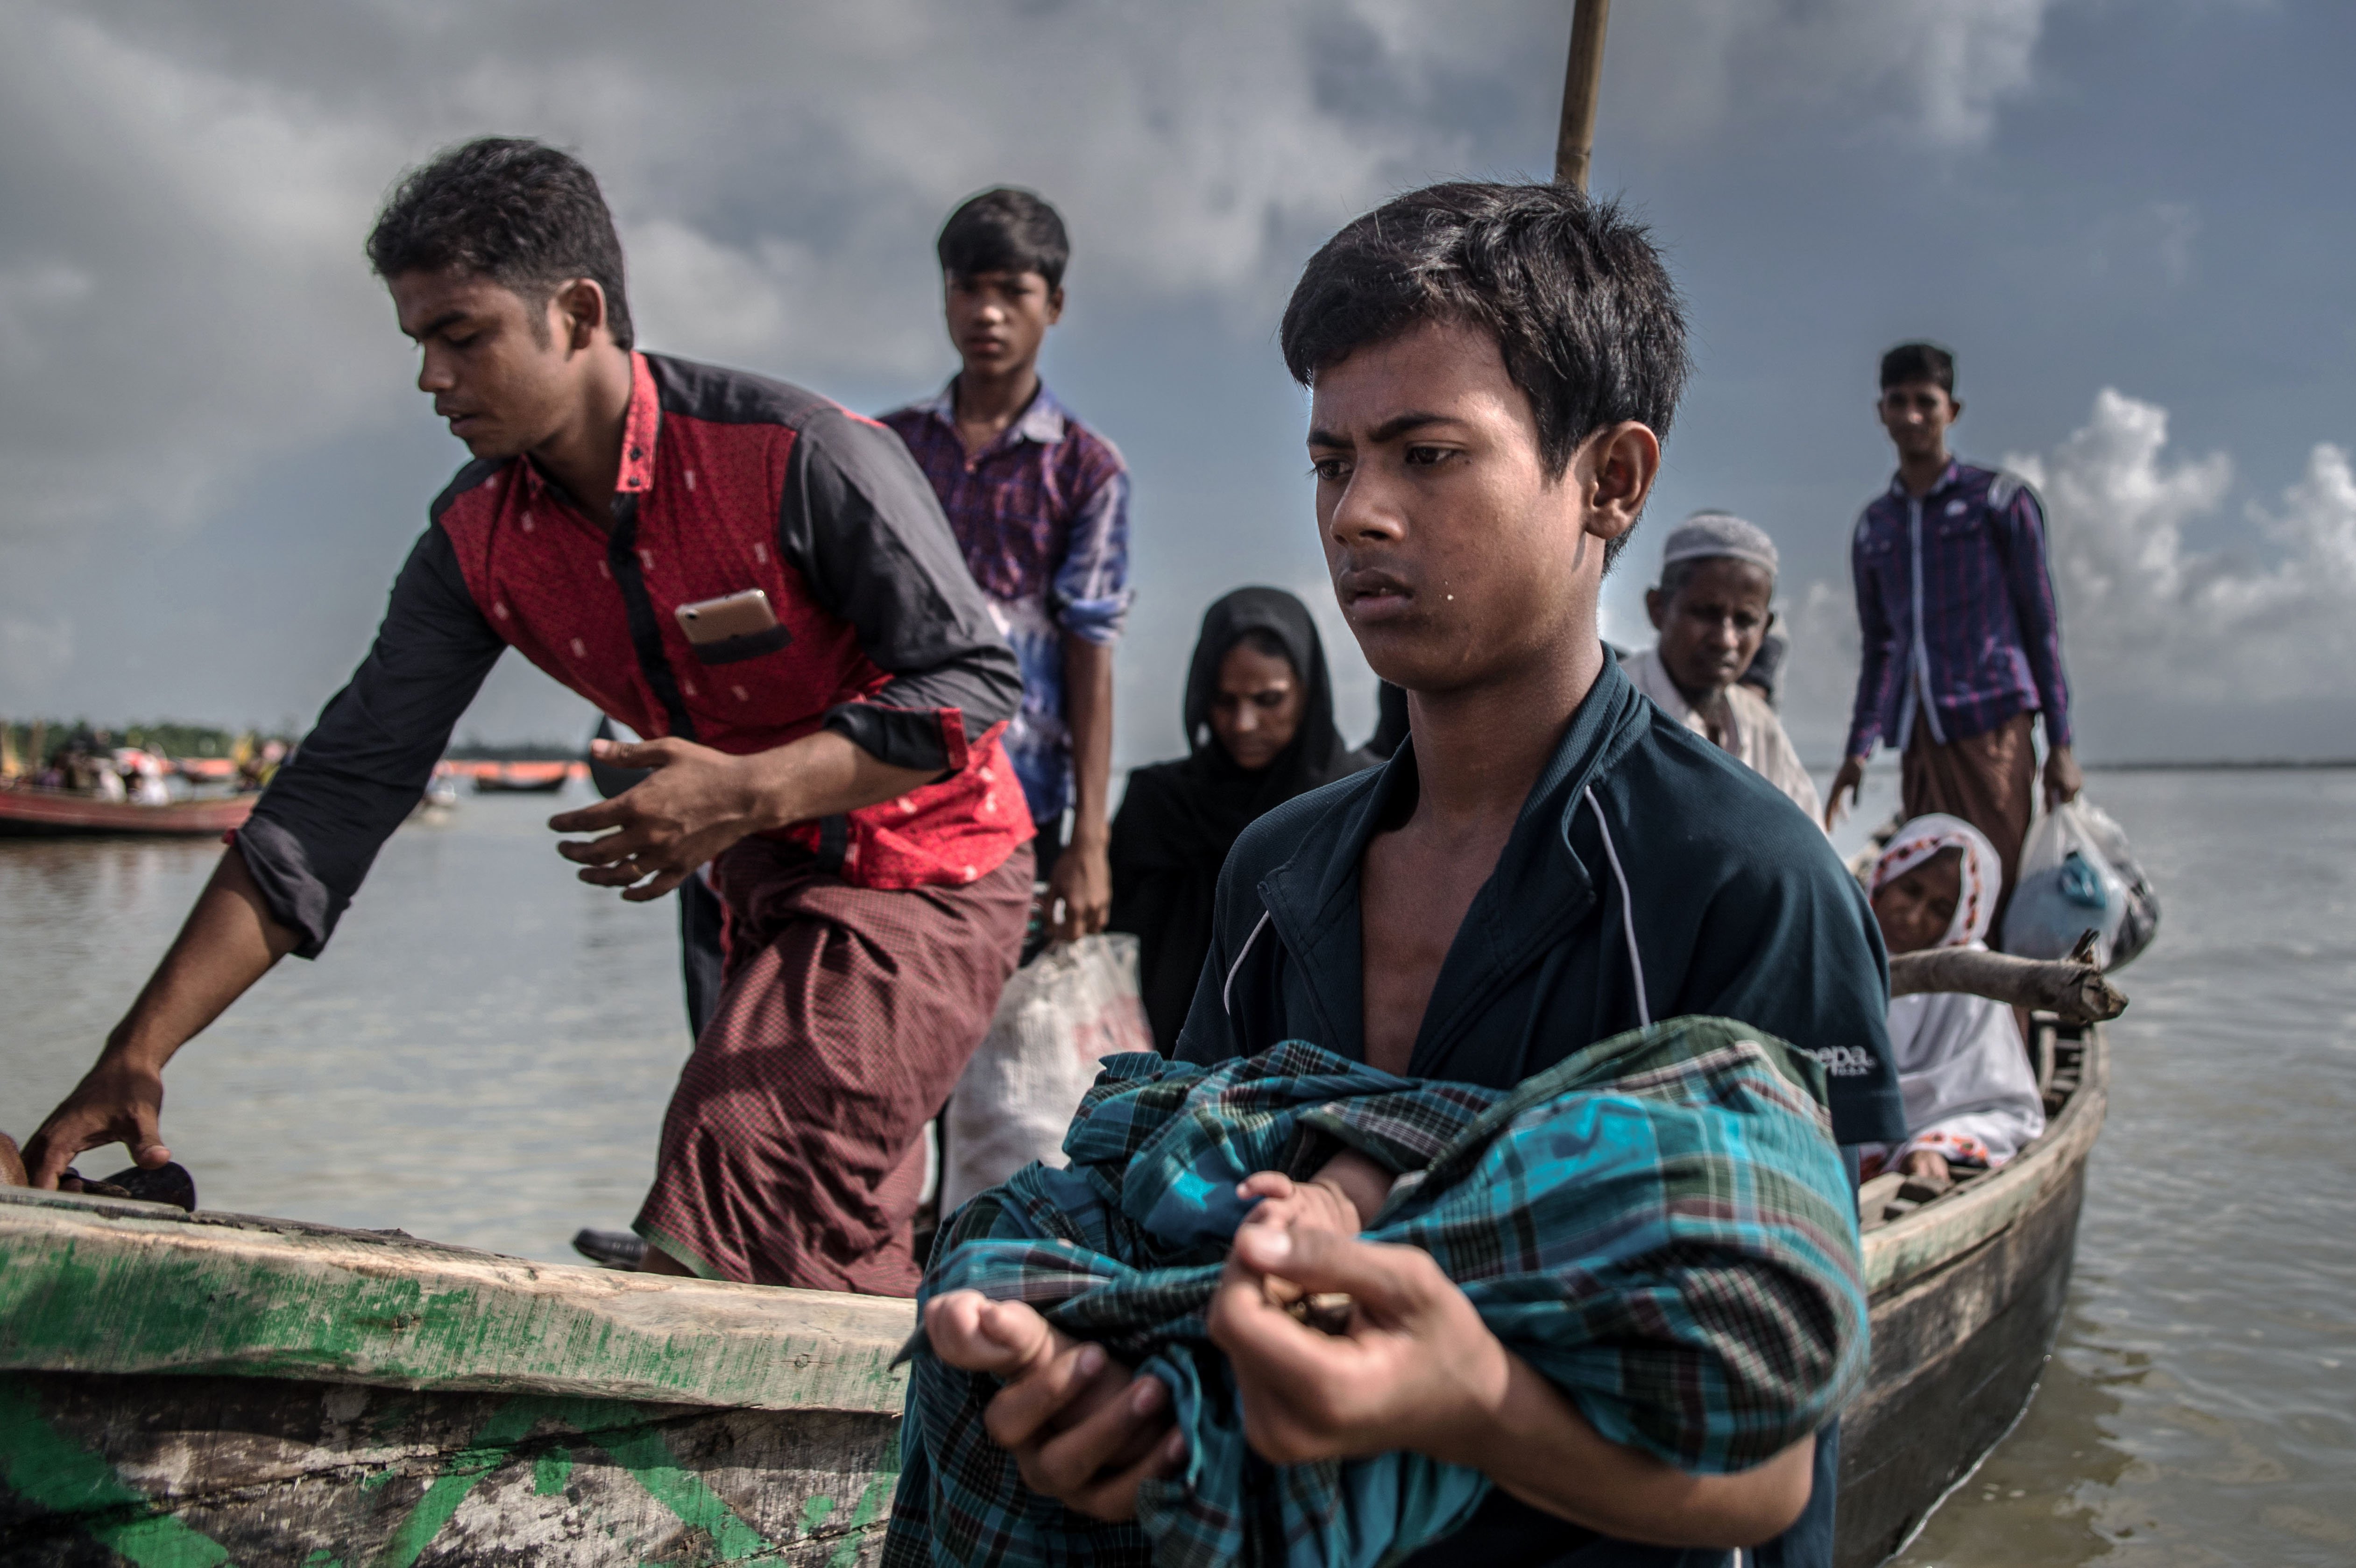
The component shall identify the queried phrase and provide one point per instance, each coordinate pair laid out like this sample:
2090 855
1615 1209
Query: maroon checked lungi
790 1153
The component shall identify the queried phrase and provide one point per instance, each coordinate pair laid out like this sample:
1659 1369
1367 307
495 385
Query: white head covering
1710 534
1982 872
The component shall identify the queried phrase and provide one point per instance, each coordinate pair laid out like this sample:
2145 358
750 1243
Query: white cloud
2148 615
161 307
188 192
187 199
2148 619
1939 69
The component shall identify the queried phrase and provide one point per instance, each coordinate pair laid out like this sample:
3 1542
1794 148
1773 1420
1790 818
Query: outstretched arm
298 858
231 941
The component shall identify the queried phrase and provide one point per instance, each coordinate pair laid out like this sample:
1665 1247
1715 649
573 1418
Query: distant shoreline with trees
33 738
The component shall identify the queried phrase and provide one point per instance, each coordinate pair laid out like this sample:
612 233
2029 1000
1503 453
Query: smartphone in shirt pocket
735 626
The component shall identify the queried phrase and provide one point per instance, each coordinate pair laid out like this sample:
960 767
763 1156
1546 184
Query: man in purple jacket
1962 639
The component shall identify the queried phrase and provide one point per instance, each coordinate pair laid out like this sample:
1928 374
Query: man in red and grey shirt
764 584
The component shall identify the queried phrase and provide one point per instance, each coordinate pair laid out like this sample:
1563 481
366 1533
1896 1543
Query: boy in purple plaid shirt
1962 640
1040 505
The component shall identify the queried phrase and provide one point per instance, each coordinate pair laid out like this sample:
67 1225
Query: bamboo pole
1582 82
2076 991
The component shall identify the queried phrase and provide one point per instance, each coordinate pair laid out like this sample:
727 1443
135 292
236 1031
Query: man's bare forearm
1087 709
1544 1452
228 941
826 775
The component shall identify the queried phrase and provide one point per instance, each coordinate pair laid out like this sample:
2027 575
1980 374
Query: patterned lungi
790 1153
1988 780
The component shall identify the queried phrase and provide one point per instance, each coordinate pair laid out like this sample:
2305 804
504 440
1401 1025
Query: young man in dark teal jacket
1549 861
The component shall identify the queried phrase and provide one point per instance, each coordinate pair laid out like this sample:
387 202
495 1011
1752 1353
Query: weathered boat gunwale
1940 1233
121 1287
1967 1294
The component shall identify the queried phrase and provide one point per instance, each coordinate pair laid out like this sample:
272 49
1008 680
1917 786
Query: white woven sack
1075 1004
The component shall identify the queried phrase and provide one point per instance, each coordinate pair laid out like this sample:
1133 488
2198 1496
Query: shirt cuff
280 868
1095 620
931 739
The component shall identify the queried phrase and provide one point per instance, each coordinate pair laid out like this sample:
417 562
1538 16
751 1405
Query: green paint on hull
550 1472
45 1469
92 1292
50 1471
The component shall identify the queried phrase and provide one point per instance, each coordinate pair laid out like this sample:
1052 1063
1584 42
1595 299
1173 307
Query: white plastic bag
2079 874
1062 1011
2142 920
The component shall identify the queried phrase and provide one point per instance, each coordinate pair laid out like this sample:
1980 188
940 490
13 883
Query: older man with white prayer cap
1711 609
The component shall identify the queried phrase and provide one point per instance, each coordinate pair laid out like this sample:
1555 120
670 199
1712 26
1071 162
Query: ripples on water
481 1056
2200 1407
484 1054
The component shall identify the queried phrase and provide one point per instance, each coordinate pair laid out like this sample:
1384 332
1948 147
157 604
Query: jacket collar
1043 420
1540 889
1949 476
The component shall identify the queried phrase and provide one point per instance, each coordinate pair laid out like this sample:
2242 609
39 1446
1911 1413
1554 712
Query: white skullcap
1705 535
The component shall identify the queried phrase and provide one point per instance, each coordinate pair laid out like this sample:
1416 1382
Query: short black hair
1582 308
519 212
1919 362
1004 230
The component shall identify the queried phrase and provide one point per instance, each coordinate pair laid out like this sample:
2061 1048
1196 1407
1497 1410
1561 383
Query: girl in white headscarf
1971 1095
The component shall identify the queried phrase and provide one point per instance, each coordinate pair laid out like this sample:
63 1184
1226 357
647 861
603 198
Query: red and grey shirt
728 482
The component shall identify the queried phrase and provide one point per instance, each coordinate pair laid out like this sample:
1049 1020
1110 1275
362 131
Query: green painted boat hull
177 1392
195 1471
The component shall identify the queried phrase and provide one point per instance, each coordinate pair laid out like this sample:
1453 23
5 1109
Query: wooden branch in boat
2078 993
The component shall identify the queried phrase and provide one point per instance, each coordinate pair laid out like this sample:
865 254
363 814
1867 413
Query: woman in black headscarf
1259 724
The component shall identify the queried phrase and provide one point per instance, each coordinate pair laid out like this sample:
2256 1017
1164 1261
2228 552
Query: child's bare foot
1292 1205
1341 1198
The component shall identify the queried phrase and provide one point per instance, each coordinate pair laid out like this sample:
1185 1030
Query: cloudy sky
2121 212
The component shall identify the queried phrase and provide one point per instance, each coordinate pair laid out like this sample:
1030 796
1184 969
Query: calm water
484 1054
481 1056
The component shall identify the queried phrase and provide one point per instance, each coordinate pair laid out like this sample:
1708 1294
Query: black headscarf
1178 820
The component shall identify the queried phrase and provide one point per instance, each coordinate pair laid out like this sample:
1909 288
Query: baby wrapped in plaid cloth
1660 1225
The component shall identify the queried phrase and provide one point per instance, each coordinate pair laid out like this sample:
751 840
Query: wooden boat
523 778
1967 1291
51 811
213 1386
181 1389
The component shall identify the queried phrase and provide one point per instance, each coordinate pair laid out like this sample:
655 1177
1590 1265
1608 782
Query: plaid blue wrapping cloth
1659 1224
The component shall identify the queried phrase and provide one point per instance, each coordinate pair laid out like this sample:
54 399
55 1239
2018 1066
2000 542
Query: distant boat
46 813
523 778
